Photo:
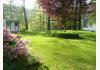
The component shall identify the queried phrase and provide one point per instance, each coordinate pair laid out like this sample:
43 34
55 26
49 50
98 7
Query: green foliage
37 20
92 18
17 14
89 19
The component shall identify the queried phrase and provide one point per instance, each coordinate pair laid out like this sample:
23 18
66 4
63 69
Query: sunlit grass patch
64 53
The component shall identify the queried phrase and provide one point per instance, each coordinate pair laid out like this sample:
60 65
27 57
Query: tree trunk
65 26
25 16
74 25
11 10
64 23
48 24
79 23
75 20
80 14
60 26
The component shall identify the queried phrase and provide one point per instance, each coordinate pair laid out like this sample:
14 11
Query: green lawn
64 53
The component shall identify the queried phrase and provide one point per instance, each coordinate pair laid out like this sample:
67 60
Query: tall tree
65 9
11 9
25 16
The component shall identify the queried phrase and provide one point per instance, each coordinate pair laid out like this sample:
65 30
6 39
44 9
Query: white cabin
90 28
13 26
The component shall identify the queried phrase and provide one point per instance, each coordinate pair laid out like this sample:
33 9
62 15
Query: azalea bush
14 46
15 53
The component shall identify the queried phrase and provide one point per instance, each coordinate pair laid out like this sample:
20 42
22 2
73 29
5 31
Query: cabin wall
4 23
12 27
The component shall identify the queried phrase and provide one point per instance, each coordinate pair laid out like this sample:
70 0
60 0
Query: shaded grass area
67 36
58 50
29 63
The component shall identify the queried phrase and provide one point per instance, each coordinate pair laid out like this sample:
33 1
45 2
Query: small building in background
90 28
12 25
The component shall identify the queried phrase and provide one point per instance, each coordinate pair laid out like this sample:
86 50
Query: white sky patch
88 1
30 4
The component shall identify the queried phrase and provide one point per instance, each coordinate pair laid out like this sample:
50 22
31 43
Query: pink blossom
20 49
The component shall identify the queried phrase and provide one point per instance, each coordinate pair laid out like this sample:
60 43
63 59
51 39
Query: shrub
16 54
14 45
7 36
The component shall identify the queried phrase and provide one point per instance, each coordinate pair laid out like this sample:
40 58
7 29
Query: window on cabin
16 24
8 22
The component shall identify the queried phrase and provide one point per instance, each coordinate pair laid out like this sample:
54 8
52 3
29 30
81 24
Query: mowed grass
64 53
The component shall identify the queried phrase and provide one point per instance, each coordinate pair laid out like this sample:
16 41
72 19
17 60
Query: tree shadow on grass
58 35
27 33
37 66
67 36
23 64
91 38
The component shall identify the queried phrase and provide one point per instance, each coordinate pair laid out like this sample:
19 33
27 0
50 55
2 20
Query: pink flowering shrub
7 36
15 45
